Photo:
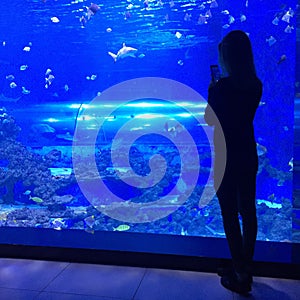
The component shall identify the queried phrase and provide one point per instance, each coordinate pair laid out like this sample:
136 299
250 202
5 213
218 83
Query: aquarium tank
101 118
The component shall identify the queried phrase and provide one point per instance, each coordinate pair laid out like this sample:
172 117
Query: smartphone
215 73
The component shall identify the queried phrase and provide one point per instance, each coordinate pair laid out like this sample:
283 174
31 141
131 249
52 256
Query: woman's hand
211 84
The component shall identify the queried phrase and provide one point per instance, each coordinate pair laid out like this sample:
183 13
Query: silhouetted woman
234 100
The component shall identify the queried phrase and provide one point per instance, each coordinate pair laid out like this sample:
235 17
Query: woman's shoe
238 283
225 271
229 271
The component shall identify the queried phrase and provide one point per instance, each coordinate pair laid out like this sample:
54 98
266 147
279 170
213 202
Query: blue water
172 43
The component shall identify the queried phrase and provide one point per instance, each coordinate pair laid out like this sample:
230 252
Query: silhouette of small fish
282 58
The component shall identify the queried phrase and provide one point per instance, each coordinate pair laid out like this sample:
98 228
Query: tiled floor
45 280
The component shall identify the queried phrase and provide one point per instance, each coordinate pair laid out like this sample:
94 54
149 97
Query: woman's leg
228 199
247 209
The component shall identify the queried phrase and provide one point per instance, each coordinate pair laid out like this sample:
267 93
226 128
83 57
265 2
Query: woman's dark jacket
234 103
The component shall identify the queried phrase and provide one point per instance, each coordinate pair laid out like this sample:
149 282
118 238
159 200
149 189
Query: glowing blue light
150 116
78 105
51 120
146 104
184 115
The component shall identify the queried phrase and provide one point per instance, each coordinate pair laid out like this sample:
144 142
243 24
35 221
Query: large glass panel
101 115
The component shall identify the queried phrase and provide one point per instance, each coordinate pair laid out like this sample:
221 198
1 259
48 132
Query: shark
123 52
7 99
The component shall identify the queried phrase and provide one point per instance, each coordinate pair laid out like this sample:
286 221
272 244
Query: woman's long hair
236 56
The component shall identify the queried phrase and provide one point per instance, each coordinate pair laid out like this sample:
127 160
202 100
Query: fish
282 58
187 17
208 14
291 164
92 77
10 77
231 19
26 49
49 80
202 20
58 223
243 18
173 130
23 67
83 21
36 199
28 192
65 136
146 4
261 150
48 71
225 12
288 29
123 53
213 4
24 91
41 128
90 221
178 34
127 15
183 231
13 85
7 99
271 41
55 20
201 6
275 21
286 17
122 227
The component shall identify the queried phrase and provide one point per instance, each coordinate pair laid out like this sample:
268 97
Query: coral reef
31 169
50 207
